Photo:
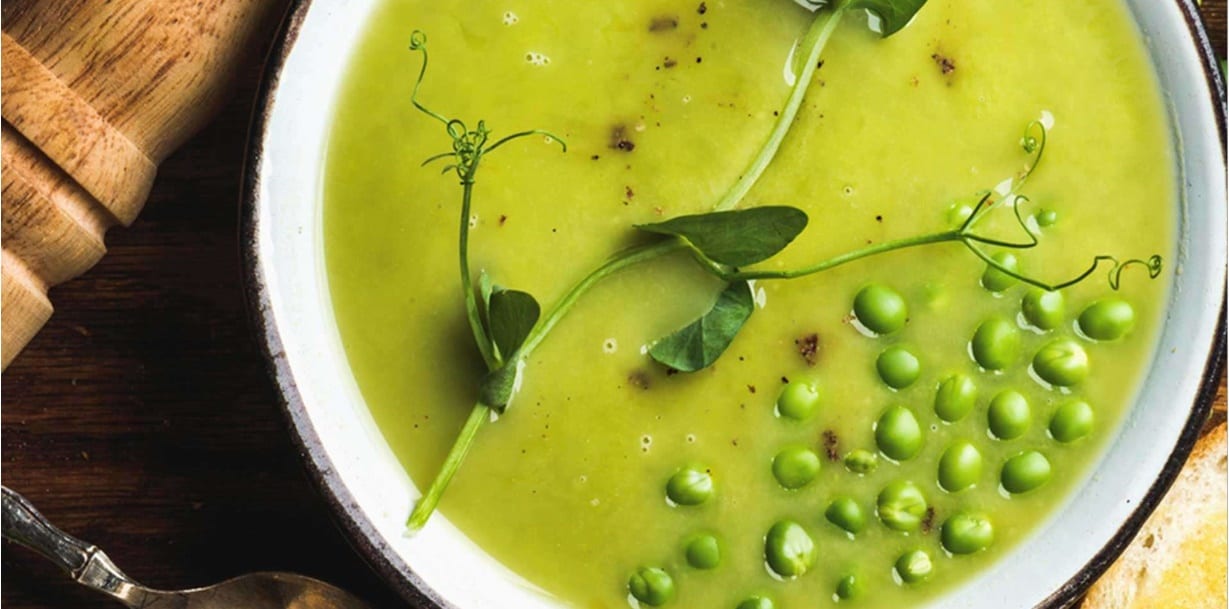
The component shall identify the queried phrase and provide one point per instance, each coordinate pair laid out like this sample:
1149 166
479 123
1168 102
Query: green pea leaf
698 345
738 237
893 14
512 315
485 289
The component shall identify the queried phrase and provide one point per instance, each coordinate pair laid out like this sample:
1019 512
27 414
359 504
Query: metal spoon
91 567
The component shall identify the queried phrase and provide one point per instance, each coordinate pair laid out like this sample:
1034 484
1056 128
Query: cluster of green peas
1060 363
790 551
995 346
653 586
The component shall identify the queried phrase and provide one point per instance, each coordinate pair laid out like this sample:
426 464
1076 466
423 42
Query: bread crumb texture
1178 560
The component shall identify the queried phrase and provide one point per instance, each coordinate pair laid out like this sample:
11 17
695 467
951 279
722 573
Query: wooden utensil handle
94 96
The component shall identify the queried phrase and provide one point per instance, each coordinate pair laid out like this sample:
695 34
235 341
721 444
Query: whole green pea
849 587
901 506
651 586
798 400
1061 362
1043 309
757 602
914 567
1046 218
1025 472
861 461
960 467
996 343
995 280
898 367
1071 421
789 549
880 309
795 466
689 486
958 213
966 533
703 551
844 512
1009 415
898 433
1108 319
955 398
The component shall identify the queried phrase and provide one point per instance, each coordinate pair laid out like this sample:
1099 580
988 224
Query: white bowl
371 494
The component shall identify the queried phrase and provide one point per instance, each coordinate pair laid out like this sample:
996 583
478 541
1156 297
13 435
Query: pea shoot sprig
723 243
507 325
499 319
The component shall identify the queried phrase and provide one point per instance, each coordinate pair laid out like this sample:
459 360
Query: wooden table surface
141 418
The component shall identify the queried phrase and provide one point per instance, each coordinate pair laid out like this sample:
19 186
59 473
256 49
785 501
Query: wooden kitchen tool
94 95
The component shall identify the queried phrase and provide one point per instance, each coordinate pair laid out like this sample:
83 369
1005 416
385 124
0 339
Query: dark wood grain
1214 16
141 419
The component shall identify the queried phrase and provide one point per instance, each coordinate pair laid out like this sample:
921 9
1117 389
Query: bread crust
1178 558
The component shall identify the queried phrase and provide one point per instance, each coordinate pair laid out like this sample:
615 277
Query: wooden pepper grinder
94 95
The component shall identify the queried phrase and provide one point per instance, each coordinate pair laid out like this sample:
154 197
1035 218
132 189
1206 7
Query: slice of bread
1178 559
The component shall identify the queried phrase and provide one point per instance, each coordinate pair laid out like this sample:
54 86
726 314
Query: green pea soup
662 104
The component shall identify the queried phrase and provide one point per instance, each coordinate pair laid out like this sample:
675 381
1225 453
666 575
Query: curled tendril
1018 201
468 146
418 40
509 138
1034 142
1154 264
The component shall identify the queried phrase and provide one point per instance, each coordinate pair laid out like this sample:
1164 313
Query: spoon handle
26 526
83 561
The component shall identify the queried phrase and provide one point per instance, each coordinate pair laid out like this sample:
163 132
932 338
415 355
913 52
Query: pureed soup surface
568 488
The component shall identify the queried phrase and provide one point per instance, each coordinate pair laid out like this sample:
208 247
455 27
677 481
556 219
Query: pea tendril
1034 143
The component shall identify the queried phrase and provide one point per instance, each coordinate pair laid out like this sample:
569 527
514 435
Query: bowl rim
361 532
